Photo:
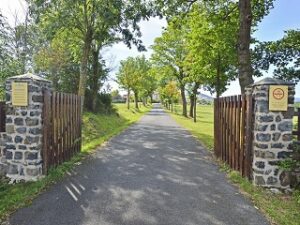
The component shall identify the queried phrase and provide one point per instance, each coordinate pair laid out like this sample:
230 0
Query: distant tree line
206 43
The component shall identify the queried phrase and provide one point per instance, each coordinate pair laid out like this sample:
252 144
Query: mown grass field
280 209
97 128
204 128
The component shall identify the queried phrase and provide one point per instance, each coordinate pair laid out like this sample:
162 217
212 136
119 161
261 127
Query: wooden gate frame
233 135
58 144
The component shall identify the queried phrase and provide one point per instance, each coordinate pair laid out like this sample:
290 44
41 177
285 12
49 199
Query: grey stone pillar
24 130
272 140
3 165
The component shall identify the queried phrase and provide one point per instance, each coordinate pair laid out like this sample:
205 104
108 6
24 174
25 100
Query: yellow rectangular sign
278 98
19 94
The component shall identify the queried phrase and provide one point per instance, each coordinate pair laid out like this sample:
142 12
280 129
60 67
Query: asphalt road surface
155 172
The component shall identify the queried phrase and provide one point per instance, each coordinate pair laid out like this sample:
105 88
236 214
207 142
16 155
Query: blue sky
284 16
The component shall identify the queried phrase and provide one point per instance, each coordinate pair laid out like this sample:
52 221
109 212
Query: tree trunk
195 92
218 78
192 105
128 98
193 98
136 100
84 65
244 57
195 108
183 98
94 79
144 102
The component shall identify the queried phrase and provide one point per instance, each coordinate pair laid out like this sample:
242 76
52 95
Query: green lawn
97 129
203 129
280 209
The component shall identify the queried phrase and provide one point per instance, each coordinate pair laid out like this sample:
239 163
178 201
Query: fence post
216 124
24 126
272 131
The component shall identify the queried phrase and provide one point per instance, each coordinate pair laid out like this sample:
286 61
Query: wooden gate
62 128
233 132
2 116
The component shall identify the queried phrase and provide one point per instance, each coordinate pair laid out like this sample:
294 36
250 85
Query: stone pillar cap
30 76
272 81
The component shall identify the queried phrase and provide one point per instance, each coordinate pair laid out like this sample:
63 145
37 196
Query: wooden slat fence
2 116
297 132
62 128
233 132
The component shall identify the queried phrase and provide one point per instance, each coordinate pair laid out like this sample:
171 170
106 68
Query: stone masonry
23 138
3 165
272 137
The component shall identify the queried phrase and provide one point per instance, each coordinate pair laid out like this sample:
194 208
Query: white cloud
150 30
11 8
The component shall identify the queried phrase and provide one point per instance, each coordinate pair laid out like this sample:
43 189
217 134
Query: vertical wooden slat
232 131
46 119
80 126
65 128
238 132
234 164
242 153
219 128
55 128
76 124
216 125
248 149
228 132
60 128
231 147
223 130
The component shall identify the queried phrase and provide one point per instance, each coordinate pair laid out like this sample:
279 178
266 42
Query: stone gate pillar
24 126
272 137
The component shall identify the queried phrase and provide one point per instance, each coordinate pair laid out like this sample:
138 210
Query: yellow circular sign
278 94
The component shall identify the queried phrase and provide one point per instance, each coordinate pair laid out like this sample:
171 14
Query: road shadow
153 173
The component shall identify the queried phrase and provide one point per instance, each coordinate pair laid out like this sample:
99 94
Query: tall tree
283 55
250 13
57 61
244 56
169 51
125 76
132 75
85 17
211 59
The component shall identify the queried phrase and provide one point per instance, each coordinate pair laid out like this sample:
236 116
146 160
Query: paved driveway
153 173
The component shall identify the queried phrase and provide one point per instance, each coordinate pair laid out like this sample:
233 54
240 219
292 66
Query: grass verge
97 129
280 209
203 129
